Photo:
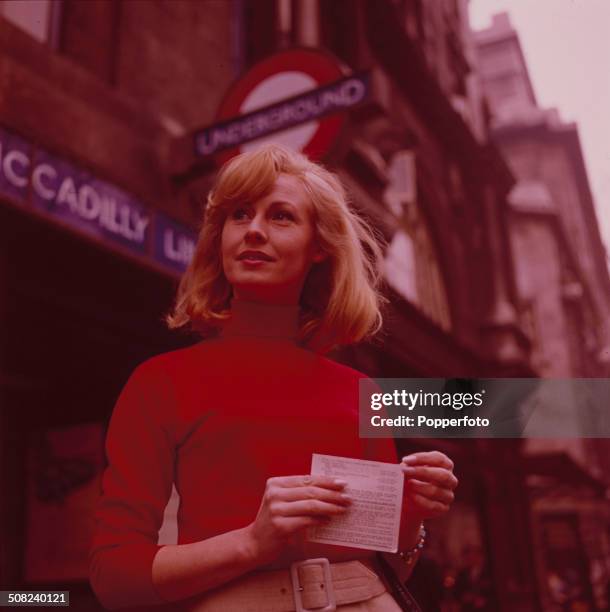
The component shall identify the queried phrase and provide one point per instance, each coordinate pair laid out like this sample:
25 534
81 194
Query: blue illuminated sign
62 191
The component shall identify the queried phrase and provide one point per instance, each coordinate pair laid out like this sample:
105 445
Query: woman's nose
256 231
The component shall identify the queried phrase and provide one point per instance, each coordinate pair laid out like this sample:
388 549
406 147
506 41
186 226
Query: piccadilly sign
297 98
61 191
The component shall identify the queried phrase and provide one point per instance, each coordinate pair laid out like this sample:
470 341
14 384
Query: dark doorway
75 320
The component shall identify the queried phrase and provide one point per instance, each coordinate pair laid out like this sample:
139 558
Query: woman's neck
262 320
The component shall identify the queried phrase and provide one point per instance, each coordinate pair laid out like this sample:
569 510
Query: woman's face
269 245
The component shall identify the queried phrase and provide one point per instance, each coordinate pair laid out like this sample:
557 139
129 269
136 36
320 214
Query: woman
282 271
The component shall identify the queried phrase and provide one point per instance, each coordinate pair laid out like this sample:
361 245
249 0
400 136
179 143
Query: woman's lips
254 256
253 263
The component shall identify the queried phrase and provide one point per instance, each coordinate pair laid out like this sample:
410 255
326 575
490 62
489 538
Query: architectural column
505 340
307 23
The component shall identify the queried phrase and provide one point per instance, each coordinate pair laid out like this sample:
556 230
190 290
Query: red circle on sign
320 66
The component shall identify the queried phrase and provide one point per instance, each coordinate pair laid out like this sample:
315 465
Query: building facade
563 288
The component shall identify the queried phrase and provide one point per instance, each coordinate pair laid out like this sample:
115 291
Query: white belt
312 585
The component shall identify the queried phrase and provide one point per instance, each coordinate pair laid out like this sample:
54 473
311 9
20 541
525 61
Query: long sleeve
375 449
135 489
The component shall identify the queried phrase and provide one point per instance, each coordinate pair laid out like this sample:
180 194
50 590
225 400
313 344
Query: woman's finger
309 507
439 476
287 525
430 507
289 494
431 491
306 480
432 458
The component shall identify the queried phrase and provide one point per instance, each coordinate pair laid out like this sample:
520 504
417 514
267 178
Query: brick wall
175 57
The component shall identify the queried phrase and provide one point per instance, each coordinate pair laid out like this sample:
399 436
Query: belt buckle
297 589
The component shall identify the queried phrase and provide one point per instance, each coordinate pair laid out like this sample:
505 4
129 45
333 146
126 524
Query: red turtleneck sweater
218 419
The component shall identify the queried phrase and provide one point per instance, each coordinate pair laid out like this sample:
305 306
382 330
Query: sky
566 44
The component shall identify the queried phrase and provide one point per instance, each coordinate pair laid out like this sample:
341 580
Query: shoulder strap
399 591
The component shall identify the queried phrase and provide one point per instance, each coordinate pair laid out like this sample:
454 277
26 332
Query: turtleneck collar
262 320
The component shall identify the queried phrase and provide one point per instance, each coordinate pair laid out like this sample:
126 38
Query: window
39 18
412 266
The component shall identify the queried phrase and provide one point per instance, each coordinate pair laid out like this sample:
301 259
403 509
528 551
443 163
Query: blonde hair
340 301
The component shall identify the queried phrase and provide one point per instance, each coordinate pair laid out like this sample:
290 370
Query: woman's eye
282 215
239 213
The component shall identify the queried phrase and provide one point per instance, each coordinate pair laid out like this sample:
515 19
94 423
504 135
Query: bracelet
409 556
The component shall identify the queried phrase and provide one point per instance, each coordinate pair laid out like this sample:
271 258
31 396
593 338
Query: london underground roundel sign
297 98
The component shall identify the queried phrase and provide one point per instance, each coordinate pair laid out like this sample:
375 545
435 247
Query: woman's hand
290 504
429 485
